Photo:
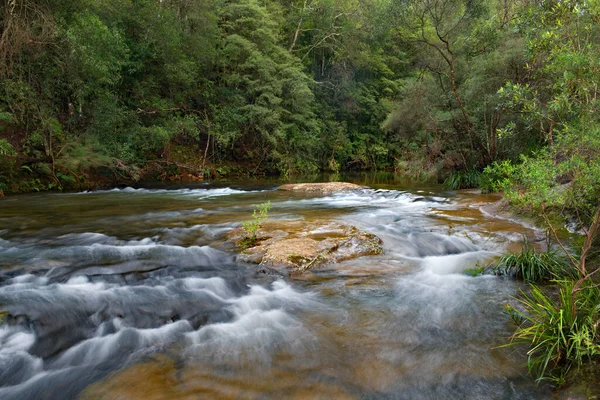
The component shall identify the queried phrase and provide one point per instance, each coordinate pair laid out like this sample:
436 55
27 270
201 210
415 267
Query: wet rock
301 245
323 187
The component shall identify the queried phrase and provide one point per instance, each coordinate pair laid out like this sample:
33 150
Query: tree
565 176
265 104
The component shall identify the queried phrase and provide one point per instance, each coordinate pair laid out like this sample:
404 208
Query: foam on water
261 327
369 197
126 343
202 193
454 263
97 251
114 325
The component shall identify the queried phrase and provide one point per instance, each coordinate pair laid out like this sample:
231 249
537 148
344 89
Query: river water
132 294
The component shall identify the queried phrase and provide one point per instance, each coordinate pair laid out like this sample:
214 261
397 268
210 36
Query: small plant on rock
259 216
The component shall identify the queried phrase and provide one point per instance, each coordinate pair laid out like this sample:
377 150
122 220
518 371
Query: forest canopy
428 88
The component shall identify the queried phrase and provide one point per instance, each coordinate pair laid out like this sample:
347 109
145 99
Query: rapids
132 294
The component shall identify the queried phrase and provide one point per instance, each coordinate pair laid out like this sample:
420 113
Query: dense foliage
432 89
115 85
112 86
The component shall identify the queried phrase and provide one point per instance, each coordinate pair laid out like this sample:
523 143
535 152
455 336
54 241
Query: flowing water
132 294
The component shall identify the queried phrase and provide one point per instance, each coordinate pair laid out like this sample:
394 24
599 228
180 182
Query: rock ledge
296 246
323 187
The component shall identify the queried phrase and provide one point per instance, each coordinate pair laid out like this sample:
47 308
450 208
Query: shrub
497 177
6 149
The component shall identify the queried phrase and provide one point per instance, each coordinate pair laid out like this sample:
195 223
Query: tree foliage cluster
275 85
428 87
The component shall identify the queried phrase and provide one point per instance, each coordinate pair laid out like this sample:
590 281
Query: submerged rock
323 187
301 245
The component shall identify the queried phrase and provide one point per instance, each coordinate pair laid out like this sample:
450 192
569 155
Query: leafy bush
560 332
531 266
497 177
6 149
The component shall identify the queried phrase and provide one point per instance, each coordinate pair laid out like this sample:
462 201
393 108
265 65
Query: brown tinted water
131 294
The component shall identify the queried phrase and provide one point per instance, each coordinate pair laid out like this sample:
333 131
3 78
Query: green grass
560 331
531 266
463 180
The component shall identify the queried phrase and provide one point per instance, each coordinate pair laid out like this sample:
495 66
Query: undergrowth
531 266
463 180
561 331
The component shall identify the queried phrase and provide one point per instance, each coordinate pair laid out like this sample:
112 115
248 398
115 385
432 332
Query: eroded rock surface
300 245
323 187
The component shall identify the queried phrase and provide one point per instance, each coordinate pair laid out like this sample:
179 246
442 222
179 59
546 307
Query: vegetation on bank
531 266
561 178
561 330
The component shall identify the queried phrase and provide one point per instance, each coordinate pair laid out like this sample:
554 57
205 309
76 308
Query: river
131 294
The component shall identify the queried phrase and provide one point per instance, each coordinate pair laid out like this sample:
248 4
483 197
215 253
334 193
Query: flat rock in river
300 245
323 187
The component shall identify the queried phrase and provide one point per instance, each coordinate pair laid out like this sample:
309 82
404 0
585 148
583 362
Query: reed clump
531 266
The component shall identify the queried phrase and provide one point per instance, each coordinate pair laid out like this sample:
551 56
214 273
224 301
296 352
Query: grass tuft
463 180
530 266
558 334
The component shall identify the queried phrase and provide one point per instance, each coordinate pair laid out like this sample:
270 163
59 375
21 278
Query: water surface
132 293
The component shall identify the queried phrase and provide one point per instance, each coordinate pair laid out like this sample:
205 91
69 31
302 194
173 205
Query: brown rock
323 187
300 245
291 251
